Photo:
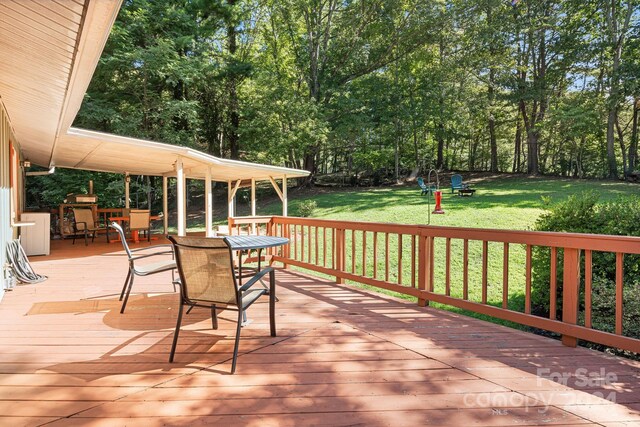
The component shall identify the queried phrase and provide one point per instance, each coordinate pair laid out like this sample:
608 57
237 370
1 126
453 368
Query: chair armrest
152 247
75 225
255 278
150 255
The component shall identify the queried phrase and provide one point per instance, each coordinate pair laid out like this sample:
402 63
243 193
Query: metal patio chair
85 224
135 269
140 220
208 280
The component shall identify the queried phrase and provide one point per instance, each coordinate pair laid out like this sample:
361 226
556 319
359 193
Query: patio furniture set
208 275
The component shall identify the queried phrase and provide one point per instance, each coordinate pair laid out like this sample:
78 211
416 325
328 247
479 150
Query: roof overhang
98 151
48 54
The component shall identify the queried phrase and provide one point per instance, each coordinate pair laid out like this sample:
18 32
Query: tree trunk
617 32
518 147
232 83
622 148
491 96
633 146
611 152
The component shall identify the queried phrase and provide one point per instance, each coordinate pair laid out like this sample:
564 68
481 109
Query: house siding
7 208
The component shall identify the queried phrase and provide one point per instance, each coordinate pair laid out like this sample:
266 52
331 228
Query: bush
585 214
306 208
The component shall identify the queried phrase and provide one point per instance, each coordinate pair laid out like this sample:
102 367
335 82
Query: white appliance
35 239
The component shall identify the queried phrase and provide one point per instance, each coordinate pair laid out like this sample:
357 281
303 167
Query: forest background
374 89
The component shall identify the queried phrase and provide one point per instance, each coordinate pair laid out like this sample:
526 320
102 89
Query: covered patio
343 356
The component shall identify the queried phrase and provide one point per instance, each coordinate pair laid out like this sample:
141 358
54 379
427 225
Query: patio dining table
135 235
249 243
257 243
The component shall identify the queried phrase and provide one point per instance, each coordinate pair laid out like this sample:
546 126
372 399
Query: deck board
343 356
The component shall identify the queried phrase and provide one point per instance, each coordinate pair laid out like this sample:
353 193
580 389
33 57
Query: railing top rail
249 219
595 242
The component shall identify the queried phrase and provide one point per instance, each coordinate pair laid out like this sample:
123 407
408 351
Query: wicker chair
207 279
146 269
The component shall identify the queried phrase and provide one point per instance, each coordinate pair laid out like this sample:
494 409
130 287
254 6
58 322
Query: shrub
306 208
585 214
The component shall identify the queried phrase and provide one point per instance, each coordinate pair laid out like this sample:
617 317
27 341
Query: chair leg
126 296
175 334
74 239
149 235
93 236
235 347
214 317
124 287
272 302
86 239
190 308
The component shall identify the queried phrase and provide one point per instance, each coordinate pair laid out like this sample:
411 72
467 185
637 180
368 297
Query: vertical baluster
317 256
465 269
340 252
386 257
302 243
334 262
619 291
413 260
353 251
399 259
485 262
324 246
295 241
553 283
432 264
505 276
364 253
447 271
527 286
588 277
310 238
375 254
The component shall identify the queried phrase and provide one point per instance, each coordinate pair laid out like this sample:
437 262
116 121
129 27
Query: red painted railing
402 258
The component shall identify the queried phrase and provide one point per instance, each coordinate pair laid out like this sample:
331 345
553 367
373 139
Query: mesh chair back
205 270
139 219
83 217
123 238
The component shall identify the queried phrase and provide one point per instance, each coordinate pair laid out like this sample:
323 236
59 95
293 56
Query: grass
502 202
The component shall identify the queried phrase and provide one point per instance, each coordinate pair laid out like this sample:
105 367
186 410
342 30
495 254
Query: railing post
570 292
340 252
424 259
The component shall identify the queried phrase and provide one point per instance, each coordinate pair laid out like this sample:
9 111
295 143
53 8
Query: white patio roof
97 151
48 53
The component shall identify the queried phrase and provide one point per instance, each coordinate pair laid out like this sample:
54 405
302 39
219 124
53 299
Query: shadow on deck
343 356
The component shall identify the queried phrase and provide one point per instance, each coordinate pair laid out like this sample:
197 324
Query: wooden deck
342 357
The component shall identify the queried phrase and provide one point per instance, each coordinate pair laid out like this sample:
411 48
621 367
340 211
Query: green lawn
501 203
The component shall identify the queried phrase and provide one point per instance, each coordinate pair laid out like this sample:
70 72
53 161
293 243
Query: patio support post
165 204
570 292
208 209
182 205
253 204
127 179
285 204
230 212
